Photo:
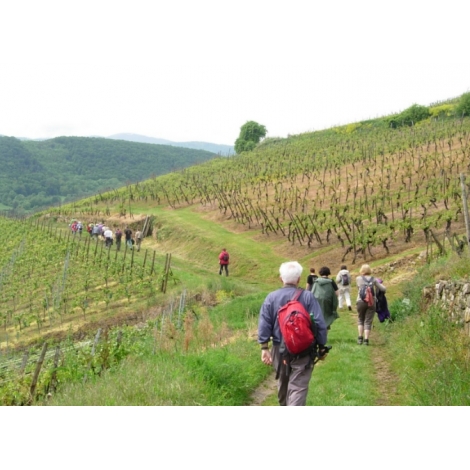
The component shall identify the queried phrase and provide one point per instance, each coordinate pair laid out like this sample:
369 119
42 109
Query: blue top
268 326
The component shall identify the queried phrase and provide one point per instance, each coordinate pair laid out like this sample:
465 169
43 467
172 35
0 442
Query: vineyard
53 279
362 186
365 190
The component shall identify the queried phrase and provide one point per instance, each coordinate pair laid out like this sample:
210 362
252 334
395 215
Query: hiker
95 231
343 278
108 237
325 291
224 261
128 234
365 313
74 227
138 239
293 378
311 278
118 236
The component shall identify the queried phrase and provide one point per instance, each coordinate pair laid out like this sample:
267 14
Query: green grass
224 376
429 352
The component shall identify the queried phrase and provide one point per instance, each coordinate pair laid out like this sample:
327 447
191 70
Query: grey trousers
365 315
292 388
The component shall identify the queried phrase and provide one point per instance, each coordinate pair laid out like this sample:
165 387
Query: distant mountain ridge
220 149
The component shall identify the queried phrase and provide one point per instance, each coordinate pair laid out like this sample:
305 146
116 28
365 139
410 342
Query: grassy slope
346 378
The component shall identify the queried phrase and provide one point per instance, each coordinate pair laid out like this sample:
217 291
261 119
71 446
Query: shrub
444 110
463 106
410 116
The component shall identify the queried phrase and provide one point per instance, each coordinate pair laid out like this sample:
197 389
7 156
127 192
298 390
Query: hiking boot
349 307
366 342
359 340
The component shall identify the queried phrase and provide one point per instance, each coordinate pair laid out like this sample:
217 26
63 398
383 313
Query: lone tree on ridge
250 134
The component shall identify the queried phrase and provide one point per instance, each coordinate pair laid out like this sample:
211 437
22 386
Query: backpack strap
297 293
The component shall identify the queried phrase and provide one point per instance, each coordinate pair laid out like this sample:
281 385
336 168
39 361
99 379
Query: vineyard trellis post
145 259
53 381
166 272
24 362
465 207
34 382
153 263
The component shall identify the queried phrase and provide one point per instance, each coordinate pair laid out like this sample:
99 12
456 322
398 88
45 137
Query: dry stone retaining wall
454 297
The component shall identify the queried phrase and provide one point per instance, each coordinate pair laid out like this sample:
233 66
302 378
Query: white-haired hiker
294 376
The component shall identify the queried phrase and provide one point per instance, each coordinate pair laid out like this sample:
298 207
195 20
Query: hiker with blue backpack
366 303
292 319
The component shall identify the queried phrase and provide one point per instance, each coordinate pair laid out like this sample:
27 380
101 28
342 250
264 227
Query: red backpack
296 326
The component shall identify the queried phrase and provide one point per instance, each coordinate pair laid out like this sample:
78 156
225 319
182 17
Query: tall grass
430 353
209 360
217 377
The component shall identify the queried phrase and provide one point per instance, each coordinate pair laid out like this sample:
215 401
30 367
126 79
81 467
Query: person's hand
322 353
266 357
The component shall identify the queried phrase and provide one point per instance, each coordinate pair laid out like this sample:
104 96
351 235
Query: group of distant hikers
100 231
297 321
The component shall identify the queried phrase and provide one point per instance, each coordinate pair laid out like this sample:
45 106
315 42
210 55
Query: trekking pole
327 350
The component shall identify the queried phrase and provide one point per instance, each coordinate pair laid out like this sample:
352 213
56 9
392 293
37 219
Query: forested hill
37 174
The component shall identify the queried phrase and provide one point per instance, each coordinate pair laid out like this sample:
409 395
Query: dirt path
386 379
266 389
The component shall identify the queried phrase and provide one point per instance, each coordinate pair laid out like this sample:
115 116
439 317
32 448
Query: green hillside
161 327
38 174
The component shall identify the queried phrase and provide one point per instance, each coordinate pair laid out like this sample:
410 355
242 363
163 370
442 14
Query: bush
443 110
410 116
463 107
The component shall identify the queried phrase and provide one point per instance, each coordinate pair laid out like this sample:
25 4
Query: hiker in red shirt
224 261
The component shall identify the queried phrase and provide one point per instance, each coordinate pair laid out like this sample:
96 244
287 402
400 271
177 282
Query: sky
187 70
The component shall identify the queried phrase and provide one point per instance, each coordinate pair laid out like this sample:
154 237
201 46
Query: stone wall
454 297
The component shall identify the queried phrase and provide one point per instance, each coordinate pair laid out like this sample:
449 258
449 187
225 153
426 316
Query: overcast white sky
188 70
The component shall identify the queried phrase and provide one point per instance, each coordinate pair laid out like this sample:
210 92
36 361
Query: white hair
290 272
